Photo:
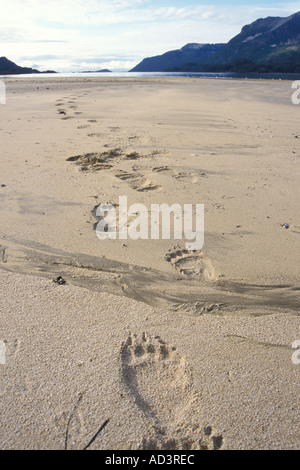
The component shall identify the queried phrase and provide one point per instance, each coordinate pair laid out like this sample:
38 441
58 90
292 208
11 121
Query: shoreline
141 76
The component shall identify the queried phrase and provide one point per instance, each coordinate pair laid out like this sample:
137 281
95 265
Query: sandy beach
147 344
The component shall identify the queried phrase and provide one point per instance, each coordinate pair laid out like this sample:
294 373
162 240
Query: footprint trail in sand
160 382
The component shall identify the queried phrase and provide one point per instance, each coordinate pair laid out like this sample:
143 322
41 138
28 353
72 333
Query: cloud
118 33
42 16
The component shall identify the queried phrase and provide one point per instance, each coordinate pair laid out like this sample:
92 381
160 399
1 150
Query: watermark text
2 353
2 93
163 222
296 355
296 94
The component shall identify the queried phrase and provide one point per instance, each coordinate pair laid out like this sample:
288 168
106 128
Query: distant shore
213 75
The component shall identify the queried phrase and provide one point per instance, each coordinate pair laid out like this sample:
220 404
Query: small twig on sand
96 435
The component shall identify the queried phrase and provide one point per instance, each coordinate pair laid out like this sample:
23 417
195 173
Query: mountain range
7 67
268 44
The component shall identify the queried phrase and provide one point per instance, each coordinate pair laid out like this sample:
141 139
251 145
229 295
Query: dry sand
177 349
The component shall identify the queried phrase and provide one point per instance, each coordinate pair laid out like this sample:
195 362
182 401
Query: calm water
262 76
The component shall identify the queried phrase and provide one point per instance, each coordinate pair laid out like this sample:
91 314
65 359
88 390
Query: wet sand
178 349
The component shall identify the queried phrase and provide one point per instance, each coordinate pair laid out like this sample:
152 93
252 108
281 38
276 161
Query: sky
80 35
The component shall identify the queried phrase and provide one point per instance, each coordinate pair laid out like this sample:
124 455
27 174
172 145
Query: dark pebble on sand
59 280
